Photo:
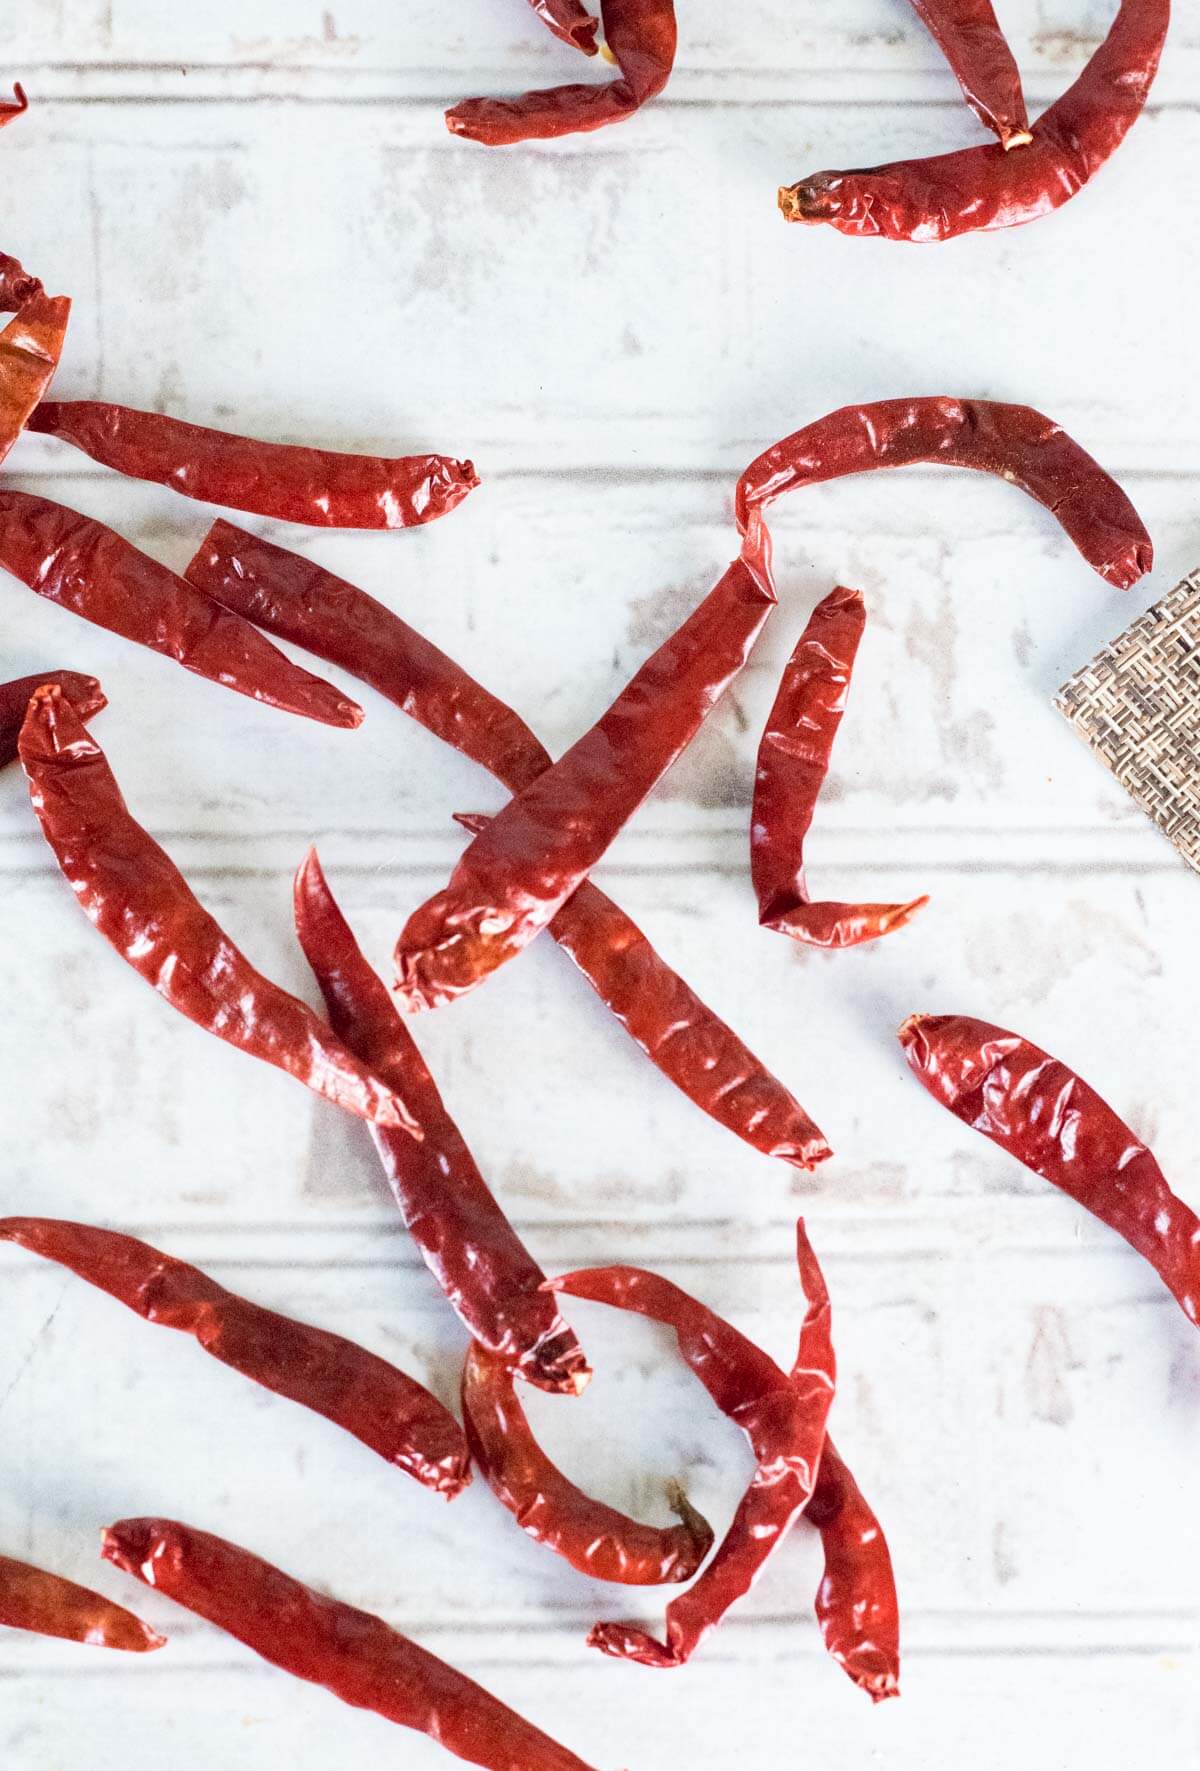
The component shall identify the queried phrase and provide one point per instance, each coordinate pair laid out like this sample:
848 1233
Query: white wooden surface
265 225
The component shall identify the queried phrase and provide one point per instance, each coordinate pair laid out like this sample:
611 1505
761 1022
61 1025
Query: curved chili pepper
571 21
981 188
131 891
594 1538
47 1605
520 870
783 1417
969 36
12 108
321 487
1038 1110
16 285
356 1657
77 563
488 1275
30 346
641 38
381 1406
299 601
793 761
83 692
1015 443
857 1607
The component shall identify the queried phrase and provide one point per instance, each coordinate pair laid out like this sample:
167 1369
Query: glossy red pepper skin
356 1657
30 347
83 692
793 761
47 1605
77 563
322 487
969 36
570 21
595 1539
857 1607
11 109
1038 1110
489 1277
982 188
133 893
641 38
381 1406
17 286
1015 443
520 870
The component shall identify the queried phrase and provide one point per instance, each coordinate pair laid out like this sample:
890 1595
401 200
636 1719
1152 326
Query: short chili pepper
1038 1110
596 1539
969 36
857 1607
571 21
640 37
30 346
782 1416
77 563
17 286
355 1656
83 692
521 869
321 487
47 1605
133 893
981 188
1015 443
11 108
793 761
488 1275
383 1407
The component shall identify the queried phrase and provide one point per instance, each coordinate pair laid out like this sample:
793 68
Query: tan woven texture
1137 704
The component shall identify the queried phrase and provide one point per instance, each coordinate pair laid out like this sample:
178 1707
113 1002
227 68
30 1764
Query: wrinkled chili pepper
17 286
83 692
981 188
640 37
322 487
969 36
521 869
594 1538
299 601
1038 1110
1015 443
77 563
783 1418
30 346
857 1607
793 761
383 1407
135 895
569 20
11 108
356 1657
47 1605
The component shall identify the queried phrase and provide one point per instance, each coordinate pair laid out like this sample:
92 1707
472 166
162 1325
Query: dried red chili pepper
135 895
383 1407
485 1270
16 285
299 601
1015 443
640 36
594 1538
322 487
1038 1110
83 692
981 188
77 563
569 20
857 1607
521 869
783 1417
47 1605
969 36
30 346
14 107
793 760
356 1657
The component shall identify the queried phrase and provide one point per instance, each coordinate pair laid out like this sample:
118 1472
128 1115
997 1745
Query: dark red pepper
17 286
30 346
83 692
857 1607
571 21
969 36
11 108
47 1605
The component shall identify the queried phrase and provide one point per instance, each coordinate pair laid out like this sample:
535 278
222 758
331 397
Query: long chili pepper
355 1656
793 760
299 601
30 346
640 37
322 487
982 188
485 1270
131 890
1015 443
522 868
17 286
1038 1110
83 692
594 1538
11 108
359 1392
571 21
77 563
857 1607
47 1605
782 1416
969 36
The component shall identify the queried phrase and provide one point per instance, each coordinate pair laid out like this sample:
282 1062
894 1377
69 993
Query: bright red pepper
47 1605
30 346
14 107
83 692
857 1607
969 36
571 21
